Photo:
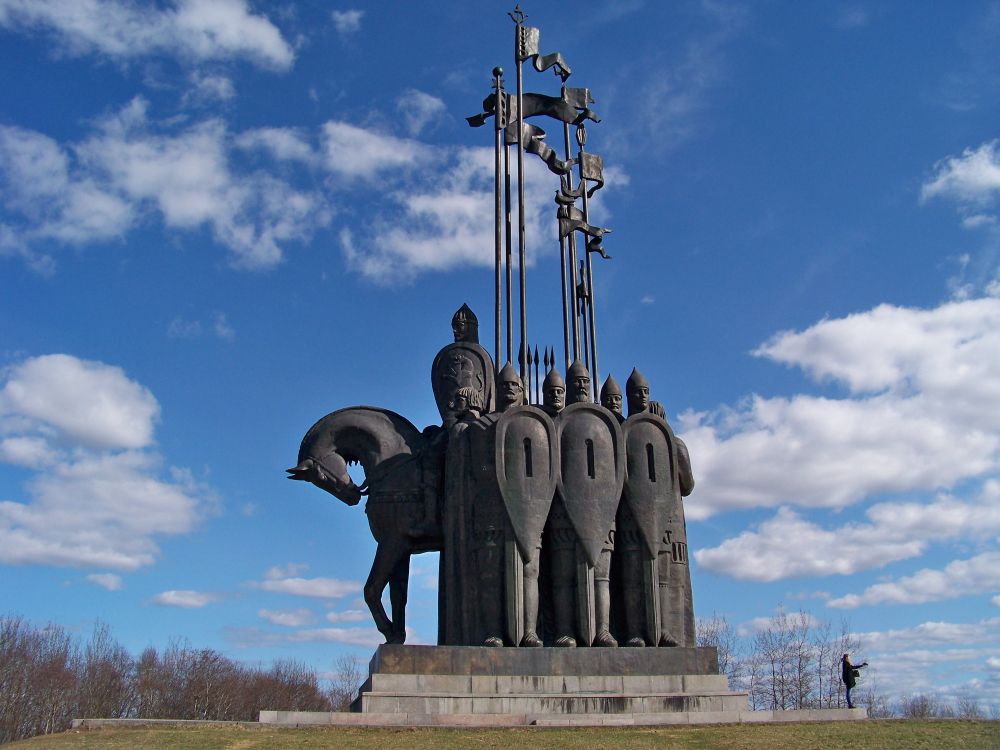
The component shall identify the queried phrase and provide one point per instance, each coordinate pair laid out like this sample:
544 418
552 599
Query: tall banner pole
519 54
571 239
581 139
498 215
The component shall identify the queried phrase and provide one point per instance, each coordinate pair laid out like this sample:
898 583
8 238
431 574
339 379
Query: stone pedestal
536 683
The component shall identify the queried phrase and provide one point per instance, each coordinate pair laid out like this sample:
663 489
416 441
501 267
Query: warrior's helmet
465 325
611 395
579 382
554 390
637 391
509 387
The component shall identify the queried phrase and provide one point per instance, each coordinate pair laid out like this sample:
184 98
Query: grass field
868 735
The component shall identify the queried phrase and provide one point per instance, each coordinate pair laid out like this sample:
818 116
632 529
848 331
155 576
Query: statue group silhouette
559 524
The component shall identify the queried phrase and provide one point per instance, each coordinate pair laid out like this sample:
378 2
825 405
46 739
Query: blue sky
220 221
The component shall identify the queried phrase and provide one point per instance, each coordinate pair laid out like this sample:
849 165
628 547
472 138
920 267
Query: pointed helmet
610 388
636 380
553 379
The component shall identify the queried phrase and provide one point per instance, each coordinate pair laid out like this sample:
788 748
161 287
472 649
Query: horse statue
403 473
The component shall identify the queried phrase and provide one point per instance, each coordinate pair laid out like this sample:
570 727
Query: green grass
869 735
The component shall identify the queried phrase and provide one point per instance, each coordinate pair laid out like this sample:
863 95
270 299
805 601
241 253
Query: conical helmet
509 375
610 388
553 379
465 324
636 380
577 370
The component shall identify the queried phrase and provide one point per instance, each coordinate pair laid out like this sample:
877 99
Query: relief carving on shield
651 485
592 472
527 466
462 365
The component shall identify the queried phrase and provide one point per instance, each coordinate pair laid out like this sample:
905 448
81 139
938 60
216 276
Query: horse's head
329 473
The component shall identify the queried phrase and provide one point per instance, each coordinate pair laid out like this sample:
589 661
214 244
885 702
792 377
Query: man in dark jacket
849 675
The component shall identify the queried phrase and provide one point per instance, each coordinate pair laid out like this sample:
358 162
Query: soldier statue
673 579
580 529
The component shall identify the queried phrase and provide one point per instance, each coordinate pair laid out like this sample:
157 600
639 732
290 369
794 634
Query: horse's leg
398 585
386 559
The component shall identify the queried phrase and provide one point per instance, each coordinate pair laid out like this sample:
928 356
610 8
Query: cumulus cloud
109 581
349 615
132 168
185 599
87 402
924 413
419 110
255 637
347 22
193 31
355 152
444 219
290 618
895 531
972 178
98 497
976 575
287 581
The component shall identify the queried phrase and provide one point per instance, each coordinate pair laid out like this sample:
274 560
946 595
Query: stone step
532 684
542 704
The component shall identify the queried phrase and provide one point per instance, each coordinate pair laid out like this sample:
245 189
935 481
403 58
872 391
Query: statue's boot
602 612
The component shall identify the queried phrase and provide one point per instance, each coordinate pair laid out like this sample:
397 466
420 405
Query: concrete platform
302 719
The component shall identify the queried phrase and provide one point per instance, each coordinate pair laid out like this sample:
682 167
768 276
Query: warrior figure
611 397
676 608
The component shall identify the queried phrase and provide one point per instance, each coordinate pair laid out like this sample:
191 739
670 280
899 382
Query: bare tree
107 677
345 682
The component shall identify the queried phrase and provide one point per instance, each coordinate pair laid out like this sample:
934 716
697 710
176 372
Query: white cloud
131 168
852 17
96 498
184 598
191 30
924 413
284 144
972 178
977 575
790 546
209 89
181 328
287 581
349 615
84 401
354 152
255 637
933 634
221 327
419 110
109 581
291 618
444 220
347 22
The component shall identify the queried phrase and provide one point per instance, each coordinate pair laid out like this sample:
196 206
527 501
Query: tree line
792 661
48 678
